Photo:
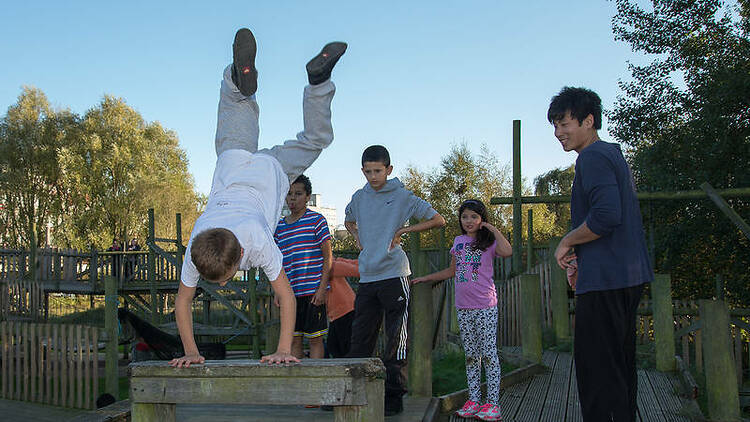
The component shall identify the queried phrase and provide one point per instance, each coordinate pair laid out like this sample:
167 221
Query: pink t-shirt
475 288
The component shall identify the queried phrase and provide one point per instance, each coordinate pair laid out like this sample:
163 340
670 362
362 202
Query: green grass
449 373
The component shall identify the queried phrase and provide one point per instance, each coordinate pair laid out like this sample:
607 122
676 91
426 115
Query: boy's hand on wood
185 361
279 357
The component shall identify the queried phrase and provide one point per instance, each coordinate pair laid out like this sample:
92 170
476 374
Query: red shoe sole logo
245 70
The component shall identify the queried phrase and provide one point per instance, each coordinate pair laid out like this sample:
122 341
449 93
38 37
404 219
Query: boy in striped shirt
305 243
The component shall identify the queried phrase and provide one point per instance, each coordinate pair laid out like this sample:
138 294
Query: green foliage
685 118
449 373
464 175
90 178
557 181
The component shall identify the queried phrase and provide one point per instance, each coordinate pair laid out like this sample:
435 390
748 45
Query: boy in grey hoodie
375 217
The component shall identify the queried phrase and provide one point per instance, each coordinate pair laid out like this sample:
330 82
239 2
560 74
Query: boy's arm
437 220
184 320
319 298
283 293
351 227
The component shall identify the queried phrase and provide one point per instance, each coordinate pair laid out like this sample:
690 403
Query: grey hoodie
378 215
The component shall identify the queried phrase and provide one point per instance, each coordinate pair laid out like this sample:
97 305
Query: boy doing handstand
235 232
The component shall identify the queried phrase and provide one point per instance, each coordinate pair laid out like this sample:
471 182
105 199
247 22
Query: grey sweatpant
237 125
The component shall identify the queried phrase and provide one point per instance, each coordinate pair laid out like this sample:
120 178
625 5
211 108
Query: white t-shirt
247 194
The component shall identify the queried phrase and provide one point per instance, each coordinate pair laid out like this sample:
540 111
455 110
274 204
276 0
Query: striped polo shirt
300 243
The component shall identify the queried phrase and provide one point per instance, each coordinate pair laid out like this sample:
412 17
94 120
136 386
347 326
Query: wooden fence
21 299
50 364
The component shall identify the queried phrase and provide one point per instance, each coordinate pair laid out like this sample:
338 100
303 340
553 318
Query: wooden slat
71 368
669 403
511 398
79 368
555 406
531 408
699 351
647 403
95 363
4 343
19 372
87 368
63 377
56 365
48 365
33 362
573 413
738 354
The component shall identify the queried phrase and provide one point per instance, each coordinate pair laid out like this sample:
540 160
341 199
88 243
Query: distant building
316 205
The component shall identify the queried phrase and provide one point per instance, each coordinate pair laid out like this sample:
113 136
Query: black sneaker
244 75
320 67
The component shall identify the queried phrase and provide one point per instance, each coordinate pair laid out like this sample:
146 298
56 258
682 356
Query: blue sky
418 76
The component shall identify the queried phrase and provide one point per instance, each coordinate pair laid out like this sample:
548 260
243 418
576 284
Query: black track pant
604 353
373 299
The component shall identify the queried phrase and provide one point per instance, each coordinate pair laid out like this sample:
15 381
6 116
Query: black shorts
312 321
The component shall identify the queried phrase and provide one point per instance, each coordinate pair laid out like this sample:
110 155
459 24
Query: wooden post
661 297
33 271
559 292
721 381
517 218
420 355
152 266
531 318
253 308
93 269
530 242
110 327
180 247
150 412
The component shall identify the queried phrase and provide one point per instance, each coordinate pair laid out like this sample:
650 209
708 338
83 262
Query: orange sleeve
343 267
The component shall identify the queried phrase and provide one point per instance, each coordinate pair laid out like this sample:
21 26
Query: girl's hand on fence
185 361
279 357
419 280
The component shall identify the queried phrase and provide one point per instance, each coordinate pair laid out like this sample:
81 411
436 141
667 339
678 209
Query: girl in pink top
472 256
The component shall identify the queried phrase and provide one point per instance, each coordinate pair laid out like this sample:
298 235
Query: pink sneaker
489 412
469 410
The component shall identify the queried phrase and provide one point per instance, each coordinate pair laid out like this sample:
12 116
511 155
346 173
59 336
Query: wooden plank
738 354
56 365
15 351
87 368
70 353
33 364
95 363
79 368
665 395
647 403
48 364
63 376
555 406
511 398
4 344
699 351
532 405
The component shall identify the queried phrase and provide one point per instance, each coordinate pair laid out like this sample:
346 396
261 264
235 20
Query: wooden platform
553 396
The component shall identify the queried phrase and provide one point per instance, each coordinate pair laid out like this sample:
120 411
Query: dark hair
484 235
214 252
376 154
305 182
580 102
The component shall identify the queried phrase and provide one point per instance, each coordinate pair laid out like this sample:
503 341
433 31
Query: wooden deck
553 396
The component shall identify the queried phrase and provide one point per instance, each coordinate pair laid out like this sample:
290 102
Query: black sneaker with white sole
244 74
320 67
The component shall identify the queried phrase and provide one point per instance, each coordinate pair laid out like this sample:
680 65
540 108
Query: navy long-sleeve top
604 197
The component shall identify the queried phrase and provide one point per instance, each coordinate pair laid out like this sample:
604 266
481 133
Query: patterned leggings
479 335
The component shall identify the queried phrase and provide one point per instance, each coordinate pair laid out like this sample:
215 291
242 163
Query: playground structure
533 299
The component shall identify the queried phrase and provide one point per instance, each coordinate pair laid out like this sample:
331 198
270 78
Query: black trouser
604 354
340 335
392 297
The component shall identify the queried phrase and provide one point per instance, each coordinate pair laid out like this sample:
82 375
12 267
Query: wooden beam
726 209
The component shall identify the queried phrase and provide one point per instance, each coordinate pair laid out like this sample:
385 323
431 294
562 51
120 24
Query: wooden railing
50 364
20 299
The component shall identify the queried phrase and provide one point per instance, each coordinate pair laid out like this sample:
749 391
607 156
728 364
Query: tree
557 181
685 118
31 135
90 178
463 175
